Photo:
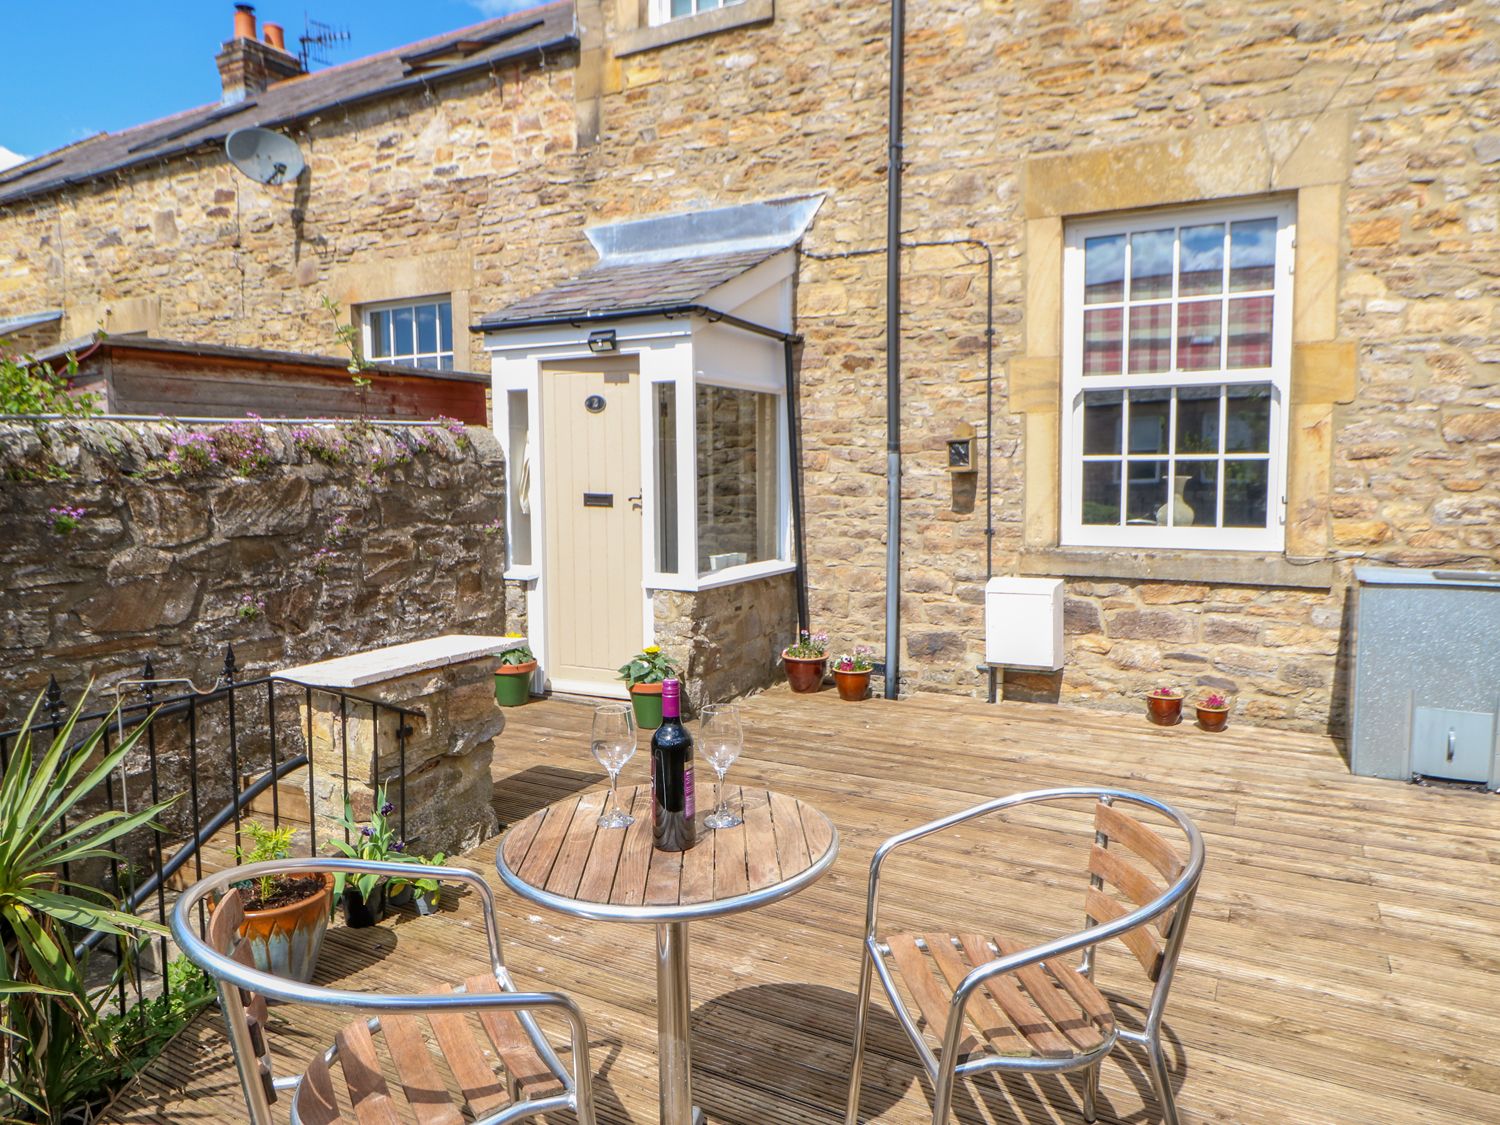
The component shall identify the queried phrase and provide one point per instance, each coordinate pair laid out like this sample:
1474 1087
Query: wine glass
722 741
613 745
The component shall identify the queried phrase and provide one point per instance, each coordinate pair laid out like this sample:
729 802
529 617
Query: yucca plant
55 1047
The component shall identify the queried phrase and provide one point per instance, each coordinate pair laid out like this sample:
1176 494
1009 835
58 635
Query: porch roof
627 287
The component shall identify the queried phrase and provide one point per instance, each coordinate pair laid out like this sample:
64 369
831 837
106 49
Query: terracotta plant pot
1212 718
804 675
852 686
1164 710
645 699
361 912
285 940
513 683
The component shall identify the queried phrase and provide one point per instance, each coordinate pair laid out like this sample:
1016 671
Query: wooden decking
1342 964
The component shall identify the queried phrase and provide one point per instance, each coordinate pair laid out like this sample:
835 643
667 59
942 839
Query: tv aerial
318 40
264 156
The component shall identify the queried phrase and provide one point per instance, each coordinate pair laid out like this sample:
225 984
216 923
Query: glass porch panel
665 410
738 478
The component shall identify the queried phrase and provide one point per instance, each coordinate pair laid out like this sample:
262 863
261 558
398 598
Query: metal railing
220 748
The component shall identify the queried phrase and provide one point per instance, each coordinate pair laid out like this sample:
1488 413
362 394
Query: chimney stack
246 65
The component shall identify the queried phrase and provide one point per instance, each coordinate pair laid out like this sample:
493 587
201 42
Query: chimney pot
244 21
275 36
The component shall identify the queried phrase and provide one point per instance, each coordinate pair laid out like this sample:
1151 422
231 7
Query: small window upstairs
663 11
417 333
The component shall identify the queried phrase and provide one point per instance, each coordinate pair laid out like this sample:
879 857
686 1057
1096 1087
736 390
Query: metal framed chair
413 1030
994 1005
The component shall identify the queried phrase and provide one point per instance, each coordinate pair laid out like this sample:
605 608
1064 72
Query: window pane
401 325
427 328
1151 264
426 362
1101 492
1198 420
1245 486
666 477
1202 268
681 8
1252 254
1101 341
1247 428
518 481
737 479
1250 332
1103 269
380 334
1101 422
445 363
1146 492
1195 494
1149 411
1199 329
445 327
1150 338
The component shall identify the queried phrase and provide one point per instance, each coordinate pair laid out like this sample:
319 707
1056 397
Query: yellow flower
509 636
652 650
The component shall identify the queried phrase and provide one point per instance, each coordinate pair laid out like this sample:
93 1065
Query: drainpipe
794 450
893 359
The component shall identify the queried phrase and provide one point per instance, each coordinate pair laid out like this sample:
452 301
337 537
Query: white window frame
413 303
1075 532
660 11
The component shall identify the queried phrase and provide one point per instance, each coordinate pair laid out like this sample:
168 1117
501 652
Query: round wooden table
560 858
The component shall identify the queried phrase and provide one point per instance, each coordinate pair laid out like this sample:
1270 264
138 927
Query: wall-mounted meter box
1023 622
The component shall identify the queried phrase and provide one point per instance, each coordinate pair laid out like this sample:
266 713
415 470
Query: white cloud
10 159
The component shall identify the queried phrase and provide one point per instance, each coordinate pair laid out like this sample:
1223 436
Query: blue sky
77 67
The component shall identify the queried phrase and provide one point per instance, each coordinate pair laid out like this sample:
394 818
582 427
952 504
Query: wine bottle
672 804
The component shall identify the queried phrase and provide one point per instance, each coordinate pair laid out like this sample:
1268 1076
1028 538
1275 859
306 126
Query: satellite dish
264 156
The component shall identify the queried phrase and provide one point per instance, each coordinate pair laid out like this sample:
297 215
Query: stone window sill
1202 567
744 14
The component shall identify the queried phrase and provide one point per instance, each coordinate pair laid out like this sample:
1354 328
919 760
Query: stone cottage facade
1246 274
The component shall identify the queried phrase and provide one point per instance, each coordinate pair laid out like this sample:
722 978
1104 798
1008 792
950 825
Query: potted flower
852 674
1164 706
422 894
363 895
805 661
285 915
644 676
1213 711
513 677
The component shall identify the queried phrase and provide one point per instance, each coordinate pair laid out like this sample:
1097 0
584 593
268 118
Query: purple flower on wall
65 519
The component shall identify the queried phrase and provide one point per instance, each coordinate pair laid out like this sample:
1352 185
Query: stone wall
296 544
729 639
481 188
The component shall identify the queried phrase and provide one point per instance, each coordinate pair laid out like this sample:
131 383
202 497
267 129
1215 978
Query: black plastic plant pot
359 912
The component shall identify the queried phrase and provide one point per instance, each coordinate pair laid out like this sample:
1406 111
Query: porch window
415 333
1176 372
739 504
664 408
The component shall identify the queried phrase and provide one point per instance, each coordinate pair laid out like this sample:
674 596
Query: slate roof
630 287
549 28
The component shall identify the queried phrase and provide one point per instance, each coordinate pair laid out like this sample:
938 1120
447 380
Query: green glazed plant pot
513 683
645 700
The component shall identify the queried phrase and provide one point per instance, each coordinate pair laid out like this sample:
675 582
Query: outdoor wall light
602 342
961 450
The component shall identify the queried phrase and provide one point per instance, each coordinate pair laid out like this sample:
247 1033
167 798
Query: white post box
1023 622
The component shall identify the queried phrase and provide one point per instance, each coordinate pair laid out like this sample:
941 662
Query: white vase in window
1182 511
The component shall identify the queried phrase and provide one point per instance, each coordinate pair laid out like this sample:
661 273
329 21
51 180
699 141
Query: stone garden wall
292 543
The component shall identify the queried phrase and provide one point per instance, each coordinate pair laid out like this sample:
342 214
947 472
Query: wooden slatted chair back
224 924
1117 832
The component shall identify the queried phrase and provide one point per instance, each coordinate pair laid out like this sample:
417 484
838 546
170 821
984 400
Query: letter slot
598 499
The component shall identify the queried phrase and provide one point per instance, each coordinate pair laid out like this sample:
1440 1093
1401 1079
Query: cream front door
591 431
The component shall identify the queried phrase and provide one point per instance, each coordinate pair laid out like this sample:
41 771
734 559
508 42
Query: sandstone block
1479 426
1150 624
1166 593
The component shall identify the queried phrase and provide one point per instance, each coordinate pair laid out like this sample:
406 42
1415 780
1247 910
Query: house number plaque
594 404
